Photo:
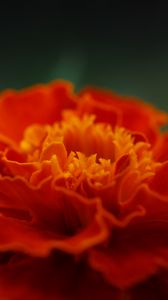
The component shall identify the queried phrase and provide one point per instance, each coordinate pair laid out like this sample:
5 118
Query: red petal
161 150
138 248
159 183
61 219
125 269
132 113
59 277
14 168
40 104
104 113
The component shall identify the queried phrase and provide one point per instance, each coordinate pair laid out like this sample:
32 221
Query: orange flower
83 196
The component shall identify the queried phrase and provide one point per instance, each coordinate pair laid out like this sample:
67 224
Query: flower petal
60 219
58 277
130 113
159 182
40 104
124 269
139 248
161 149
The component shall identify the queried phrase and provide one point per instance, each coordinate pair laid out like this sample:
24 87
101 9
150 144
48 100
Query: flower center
79 149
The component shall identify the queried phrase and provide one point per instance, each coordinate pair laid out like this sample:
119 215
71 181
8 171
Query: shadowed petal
59 219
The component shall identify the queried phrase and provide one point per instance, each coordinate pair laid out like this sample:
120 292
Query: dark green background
126 52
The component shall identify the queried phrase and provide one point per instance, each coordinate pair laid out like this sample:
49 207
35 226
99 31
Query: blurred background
123 50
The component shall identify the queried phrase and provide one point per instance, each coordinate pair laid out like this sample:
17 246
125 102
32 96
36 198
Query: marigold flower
83 196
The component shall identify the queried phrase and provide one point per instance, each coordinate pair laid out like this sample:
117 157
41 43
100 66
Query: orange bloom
83 196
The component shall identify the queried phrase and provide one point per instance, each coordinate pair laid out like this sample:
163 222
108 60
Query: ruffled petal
139 248
123 270
103 111
129 112
12 168
58 219
40 104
